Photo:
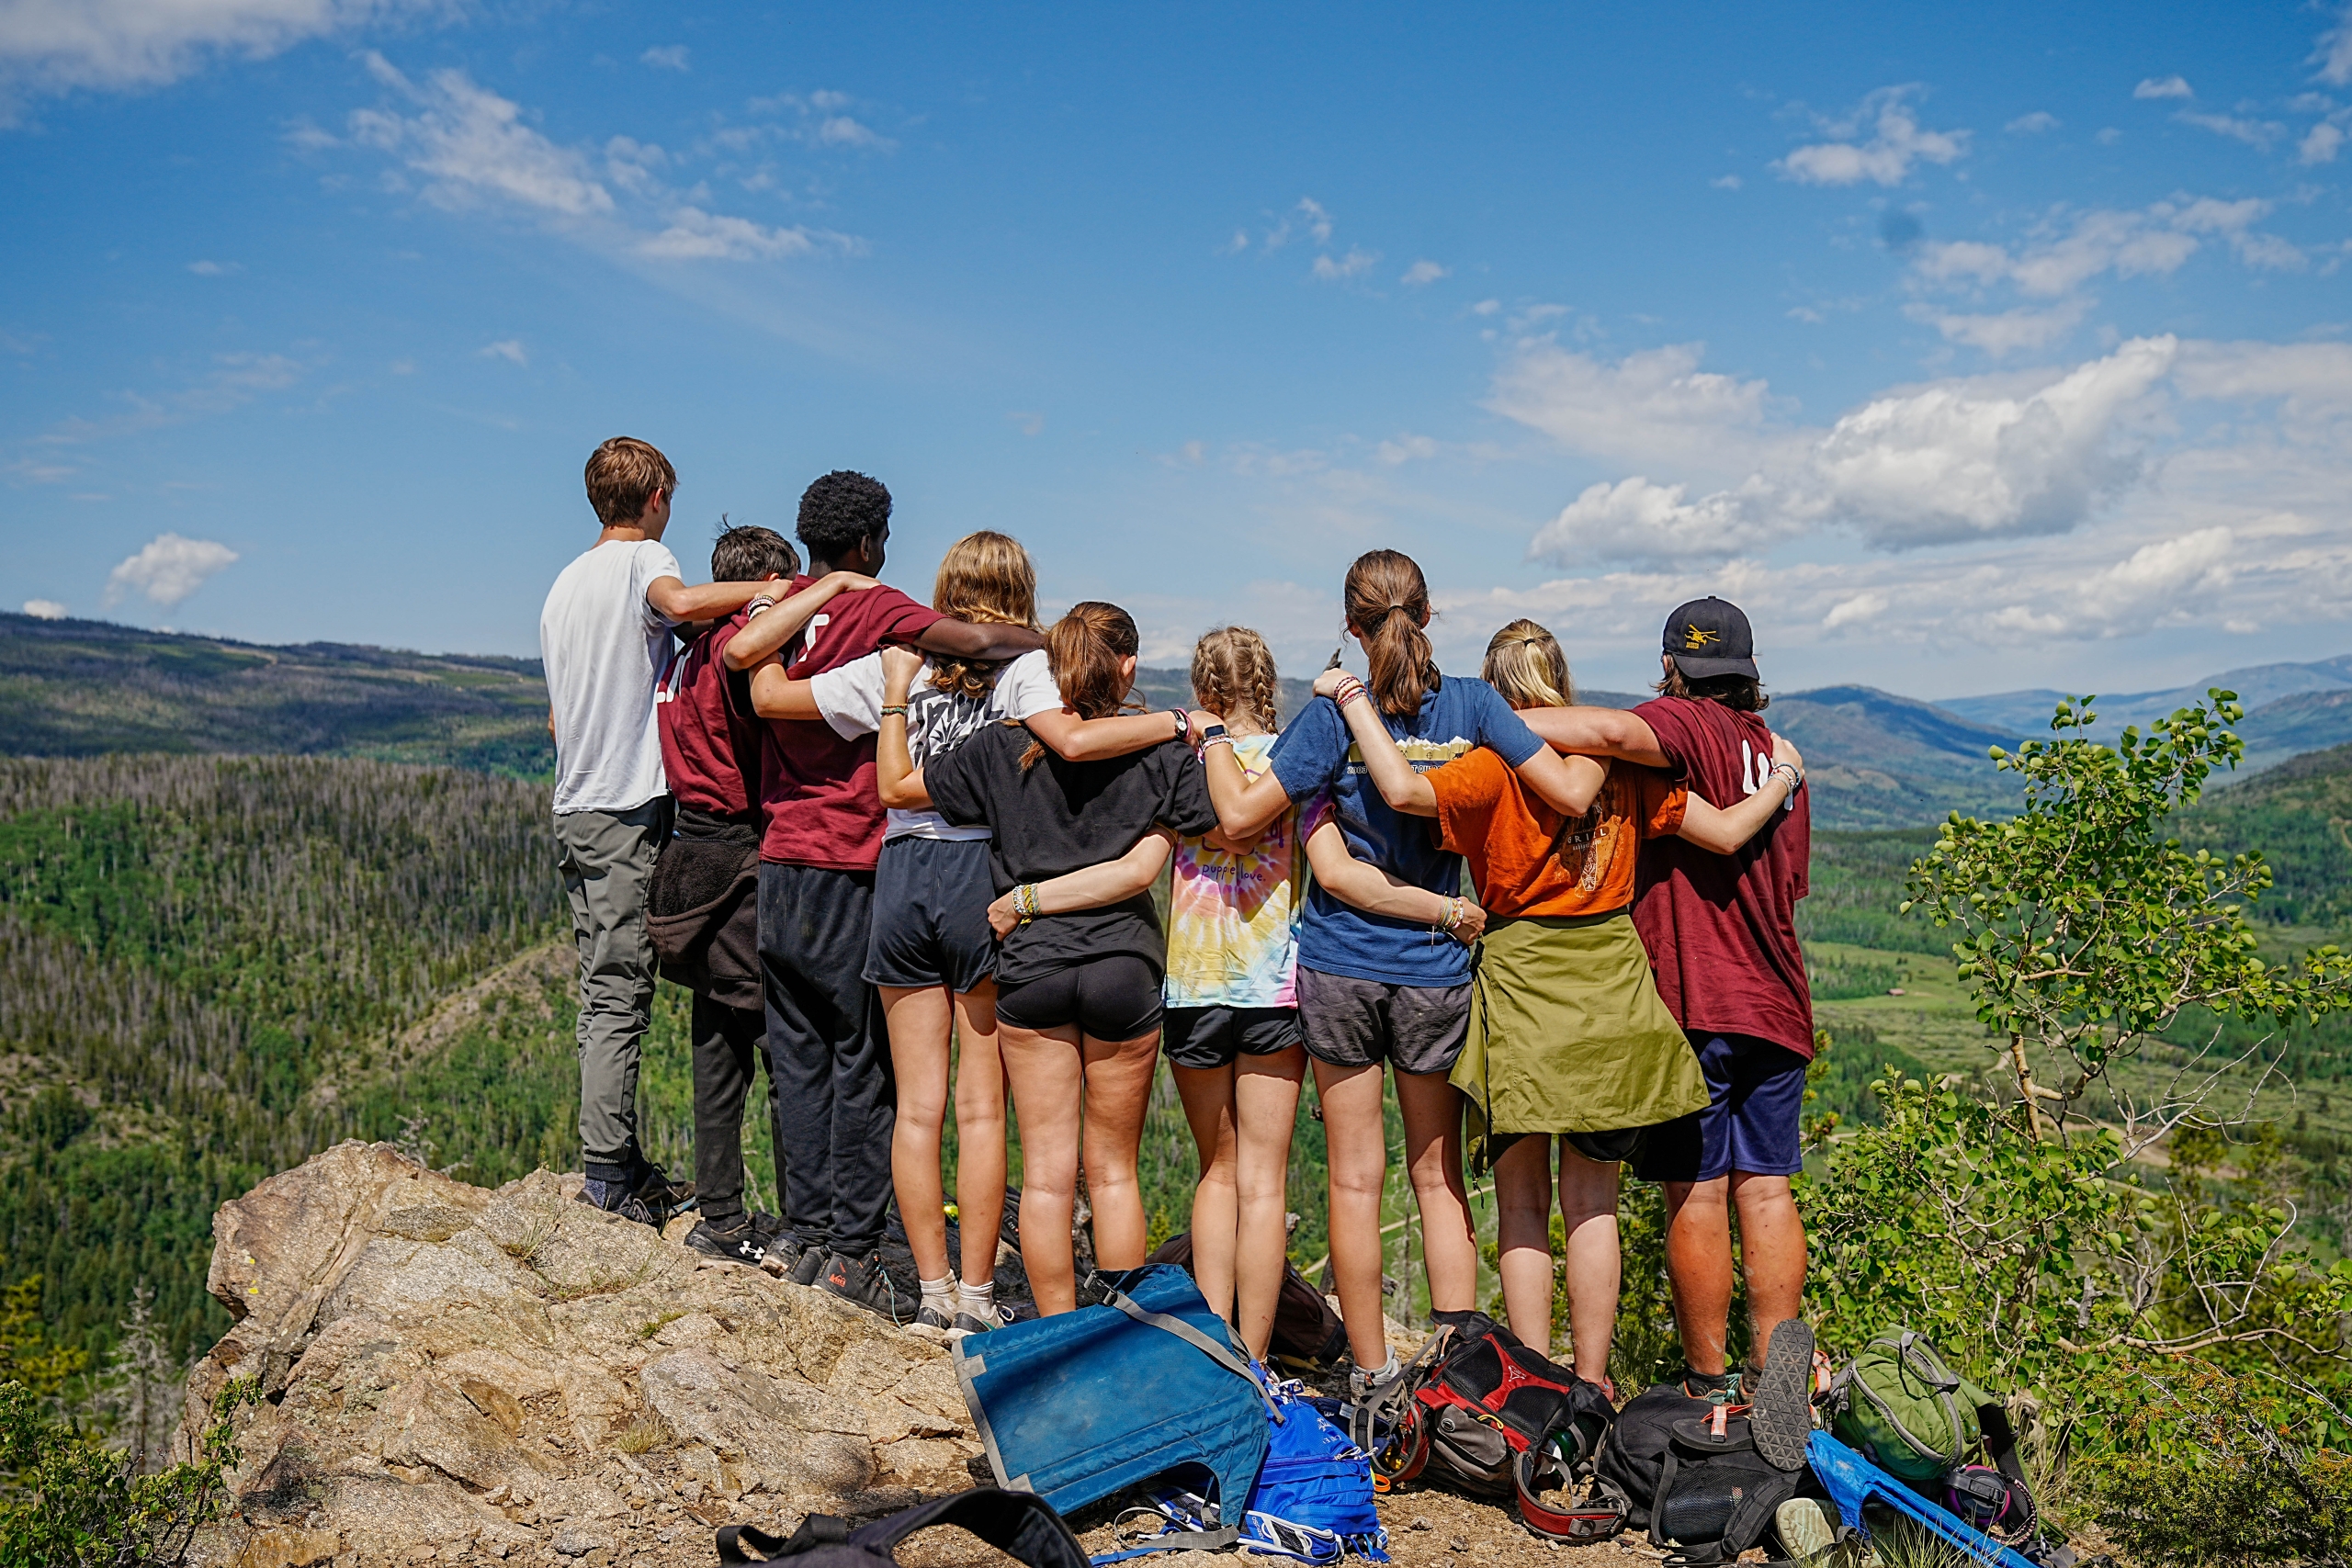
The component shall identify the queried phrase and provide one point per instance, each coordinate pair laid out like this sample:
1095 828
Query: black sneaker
1779 1412
998 1318
769 1228
614 1198
808 1260
861 1282
738 1244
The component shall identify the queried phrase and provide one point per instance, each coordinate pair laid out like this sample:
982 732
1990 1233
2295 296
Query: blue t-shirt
1316 752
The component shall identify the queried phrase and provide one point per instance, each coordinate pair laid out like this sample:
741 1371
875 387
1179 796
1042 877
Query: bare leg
1432 1114
1045 1071
1265 1099
1772 1246
1523 1237
1358 1145
1697 1266
1118 1090
1207 1093
918 1023
980 1132
1596 1268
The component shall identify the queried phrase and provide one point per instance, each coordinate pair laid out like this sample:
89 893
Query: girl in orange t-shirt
1569 1040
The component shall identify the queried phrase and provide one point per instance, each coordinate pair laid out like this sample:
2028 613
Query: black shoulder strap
1019 1524
1666 1469
1754 1514
817 1529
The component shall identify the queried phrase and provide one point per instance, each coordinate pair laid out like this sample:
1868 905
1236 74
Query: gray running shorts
1360 1023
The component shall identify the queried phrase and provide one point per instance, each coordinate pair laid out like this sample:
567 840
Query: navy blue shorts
1753 1122
930 915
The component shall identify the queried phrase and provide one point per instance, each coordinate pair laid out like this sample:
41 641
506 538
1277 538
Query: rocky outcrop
451 1374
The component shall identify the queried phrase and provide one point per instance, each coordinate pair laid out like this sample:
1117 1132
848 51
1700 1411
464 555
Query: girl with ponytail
1390 983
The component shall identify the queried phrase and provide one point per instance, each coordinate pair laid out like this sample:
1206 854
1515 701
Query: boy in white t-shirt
605 639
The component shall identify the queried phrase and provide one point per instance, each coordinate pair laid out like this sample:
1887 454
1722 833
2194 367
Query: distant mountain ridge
85 688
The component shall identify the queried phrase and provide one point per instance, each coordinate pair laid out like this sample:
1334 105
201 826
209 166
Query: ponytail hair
1084 649
1525 665
1232 668
1386 601
985 579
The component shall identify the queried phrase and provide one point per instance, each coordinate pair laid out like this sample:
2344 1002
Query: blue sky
1967 348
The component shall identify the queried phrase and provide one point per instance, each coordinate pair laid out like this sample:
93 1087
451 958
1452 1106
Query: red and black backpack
1486 1412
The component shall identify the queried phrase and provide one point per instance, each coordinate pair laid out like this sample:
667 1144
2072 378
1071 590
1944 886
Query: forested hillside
83 688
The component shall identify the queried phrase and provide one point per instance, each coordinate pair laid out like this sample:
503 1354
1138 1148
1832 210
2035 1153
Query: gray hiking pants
606 859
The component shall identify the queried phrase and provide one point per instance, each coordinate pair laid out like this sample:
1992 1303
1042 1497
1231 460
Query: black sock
1705 1382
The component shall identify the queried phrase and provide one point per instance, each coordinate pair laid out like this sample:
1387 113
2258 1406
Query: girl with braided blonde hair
1231 1030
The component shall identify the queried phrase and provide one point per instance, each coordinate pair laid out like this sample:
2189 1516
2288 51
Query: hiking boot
736 1244
660 1195
614 1198
861 1282
1780 1410
808 1263
768 1227
1803 1531
966 1323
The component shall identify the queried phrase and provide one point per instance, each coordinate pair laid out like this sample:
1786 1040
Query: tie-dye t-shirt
1233 918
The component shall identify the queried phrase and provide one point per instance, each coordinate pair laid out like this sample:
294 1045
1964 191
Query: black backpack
1706 1492
1022 1525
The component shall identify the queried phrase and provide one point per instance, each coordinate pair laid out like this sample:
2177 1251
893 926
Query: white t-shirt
937 722
606 650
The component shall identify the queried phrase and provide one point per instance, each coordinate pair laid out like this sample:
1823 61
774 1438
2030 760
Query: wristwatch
1212 732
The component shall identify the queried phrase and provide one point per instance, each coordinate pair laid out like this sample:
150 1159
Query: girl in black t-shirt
1078 993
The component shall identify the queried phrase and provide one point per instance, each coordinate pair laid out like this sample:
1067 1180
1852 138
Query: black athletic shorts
930 915
1214 1036
1115 998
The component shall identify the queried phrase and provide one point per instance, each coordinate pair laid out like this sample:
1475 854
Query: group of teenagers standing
905 855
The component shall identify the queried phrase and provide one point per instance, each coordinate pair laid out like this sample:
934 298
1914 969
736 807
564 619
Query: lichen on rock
452 1374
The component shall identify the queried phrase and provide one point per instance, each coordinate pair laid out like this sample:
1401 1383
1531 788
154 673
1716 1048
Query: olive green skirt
1569 1034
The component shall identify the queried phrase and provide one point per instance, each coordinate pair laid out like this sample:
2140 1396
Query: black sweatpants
829 1054
728 1044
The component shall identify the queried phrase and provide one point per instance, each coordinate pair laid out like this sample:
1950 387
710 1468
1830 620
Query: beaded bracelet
756 606
898 708
1025 907
1350 690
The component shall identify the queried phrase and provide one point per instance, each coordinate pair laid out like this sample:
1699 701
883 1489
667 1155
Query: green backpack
1904 1409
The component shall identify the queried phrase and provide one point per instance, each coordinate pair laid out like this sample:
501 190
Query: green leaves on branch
71 1504
2082 928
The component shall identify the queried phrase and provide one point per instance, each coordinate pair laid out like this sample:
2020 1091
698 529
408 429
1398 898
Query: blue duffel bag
1081 1406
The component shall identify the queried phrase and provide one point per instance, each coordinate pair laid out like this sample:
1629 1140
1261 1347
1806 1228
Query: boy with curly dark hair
824 835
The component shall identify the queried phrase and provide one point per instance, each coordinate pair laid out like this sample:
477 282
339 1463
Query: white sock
979 1301
939 1295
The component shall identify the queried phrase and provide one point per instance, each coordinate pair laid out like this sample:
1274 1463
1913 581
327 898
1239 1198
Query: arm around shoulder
1598 732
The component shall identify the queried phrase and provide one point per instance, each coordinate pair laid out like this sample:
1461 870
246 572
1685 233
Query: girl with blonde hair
1568 1037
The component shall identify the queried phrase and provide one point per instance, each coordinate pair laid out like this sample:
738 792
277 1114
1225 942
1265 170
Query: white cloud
45 610
840 130
213 268
666 57
2034 124
2008 331
1355 263
1951 461
1405 449
2165 87
1656 406
509 349
1887 157
2068 249
54 45
2334 56
169 569
2258 134
1861 609
475 148
2319 144
1420 272
1725 181
1310 216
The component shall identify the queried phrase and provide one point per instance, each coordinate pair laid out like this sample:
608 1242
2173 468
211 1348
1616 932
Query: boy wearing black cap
1721 931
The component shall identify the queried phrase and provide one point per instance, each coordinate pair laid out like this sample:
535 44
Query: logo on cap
1695 637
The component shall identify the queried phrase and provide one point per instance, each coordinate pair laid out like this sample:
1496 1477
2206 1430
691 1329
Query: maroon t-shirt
817 788
1722 930
710 737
